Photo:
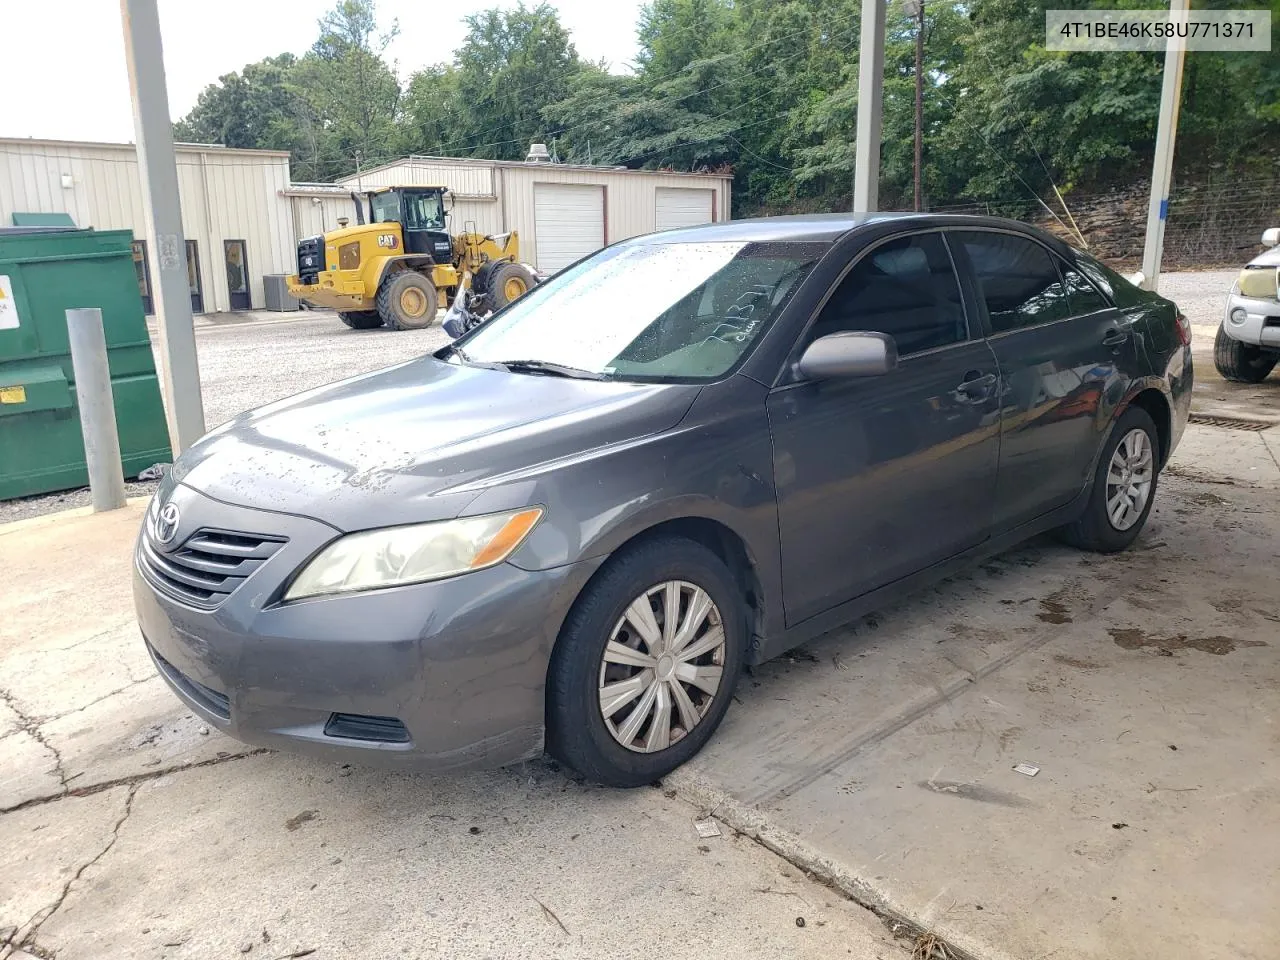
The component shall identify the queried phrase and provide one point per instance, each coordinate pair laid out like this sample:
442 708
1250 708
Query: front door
237 261
1065 354
879 477
193 277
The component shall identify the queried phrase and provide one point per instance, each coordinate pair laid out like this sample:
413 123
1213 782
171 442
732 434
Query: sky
68 56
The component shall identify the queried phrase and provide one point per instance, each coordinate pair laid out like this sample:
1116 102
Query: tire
407 301
578 734
1095 530
361 319
508 282
1241 362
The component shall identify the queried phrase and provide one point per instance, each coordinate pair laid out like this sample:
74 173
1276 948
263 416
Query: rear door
1066 356
879 477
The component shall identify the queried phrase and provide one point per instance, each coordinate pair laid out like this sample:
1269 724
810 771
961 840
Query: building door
237 274
143 269
193 277
677 207
568 223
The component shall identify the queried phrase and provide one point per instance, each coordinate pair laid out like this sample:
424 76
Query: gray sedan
572 528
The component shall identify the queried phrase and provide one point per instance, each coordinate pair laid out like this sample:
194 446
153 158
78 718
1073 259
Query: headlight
425 551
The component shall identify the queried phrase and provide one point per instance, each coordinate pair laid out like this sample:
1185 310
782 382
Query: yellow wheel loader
402 266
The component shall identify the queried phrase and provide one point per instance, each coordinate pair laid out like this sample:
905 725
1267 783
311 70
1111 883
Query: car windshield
654 311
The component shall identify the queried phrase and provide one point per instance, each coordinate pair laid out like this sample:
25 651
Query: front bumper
1261 325
460 663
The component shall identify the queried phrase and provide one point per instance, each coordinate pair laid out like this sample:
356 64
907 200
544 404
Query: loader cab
420 211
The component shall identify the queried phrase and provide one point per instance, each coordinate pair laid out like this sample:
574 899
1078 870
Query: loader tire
407 301
361 319
508 282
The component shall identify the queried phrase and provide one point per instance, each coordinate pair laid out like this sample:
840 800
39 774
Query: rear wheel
407 301
646 663
1241 362
508 282
1124 487
361 319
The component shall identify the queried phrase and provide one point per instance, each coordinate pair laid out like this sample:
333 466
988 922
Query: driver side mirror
849 354
1271 238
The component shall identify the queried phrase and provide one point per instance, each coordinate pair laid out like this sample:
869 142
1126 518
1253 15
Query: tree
352 90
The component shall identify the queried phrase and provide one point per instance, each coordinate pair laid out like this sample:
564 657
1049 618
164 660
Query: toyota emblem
167 522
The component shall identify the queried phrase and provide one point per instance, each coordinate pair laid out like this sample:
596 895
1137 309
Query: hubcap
1129 478
513 288
412 302
662 666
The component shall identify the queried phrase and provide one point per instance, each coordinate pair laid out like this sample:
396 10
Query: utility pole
916 9
157 168
866 160
1175 52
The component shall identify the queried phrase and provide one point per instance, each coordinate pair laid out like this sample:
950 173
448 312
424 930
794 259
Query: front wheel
646 663
407 301
1124 487
1241 362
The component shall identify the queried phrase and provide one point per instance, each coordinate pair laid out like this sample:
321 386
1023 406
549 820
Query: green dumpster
45 271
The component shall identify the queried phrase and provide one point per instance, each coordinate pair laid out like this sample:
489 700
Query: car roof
829 227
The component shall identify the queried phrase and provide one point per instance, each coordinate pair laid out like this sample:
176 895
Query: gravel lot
244 365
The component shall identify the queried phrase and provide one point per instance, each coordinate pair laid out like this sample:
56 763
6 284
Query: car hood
1269 259
416 442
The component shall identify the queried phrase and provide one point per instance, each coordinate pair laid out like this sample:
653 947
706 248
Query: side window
905 288
1083 295
1018 280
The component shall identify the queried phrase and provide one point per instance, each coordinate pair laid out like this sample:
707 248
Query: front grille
208 566
310 259
217 703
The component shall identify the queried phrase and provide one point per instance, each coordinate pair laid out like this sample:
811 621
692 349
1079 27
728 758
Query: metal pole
919 100
158 171
1166 135
97 408
866 168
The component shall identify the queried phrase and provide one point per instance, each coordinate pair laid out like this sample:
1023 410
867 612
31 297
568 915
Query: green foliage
767 88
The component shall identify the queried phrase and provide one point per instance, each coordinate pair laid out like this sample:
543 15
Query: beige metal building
235 216
562 211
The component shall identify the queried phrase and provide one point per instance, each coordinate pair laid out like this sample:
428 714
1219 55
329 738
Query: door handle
975 387
1114 337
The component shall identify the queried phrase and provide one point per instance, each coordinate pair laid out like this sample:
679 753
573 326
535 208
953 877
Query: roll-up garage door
684 207
568 223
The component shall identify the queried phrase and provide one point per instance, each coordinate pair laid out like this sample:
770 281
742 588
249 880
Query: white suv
1248 342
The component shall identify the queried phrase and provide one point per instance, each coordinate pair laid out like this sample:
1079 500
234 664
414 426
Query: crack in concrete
24 938
96 700
31 726
130 780
751 822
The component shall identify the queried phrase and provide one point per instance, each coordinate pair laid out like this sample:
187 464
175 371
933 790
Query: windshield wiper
550 369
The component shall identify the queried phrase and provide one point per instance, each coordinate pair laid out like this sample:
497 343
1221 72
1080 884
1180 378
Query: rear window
1120 290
